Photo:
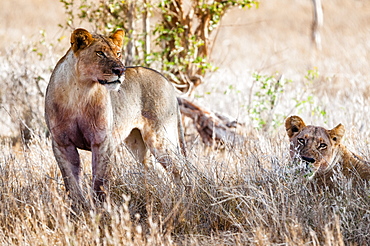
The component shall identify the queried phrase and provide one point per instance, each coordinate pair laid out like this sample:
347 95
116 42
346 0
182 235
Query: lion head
314 145
98 57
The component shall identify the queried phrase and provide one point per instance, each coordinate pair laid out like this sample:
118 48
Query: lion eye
322 146
100 54
119 54
301 141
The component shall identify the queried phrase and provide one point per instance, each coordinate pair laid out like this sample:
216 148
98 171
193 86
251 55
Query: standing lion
93 102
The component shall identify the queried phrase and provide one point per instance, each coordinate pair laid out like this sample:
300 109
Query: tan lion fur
93 102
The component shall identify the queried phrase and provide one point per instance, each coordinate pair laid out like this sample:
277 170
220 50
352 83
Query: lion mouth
106 82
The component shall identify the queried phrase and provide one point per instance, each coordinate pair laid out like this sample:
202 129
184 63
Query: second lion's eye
100 54
301 141
322 146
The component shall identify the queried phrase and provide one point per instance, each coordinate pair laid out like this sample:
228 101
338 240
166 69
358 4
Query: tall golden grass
246 194
240 196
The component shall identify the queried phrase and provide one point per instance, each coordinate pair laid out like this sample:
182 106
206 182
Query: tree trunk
317 22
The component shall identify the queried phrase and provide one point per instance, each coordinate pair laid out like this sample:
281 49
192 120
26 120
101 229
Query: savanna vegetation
259 68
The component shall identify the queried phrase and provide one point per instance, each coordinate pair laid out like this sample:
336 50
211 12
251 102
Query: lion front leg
101 155
69 164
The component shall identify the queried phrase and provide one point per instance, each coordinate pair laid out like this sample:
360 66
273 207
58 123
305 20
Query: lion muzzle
308 159
119 71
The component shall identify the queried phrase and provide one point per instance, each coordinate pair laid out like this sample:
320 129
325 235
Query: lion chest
81 130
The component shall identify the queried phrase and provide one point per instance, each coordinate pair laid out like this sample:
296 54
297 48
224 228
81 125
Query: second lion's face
314 145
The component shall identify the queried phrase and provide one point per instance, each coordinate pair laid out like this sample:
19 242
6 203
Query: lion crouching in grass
323 151
93 102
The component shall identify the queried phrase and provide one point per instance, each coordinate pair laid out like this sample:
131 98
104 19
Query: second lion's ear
80 39
337 133
117 38
293 124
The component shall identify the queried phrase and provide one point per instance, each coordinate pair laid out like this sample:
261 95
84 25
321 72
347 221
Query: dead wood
213 128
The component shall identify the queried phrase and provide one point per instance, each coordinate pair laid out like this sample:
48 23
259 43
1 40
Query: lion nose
308 159
118 70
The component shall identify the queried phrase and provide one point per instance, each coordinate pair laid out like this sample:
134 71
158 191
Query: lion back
148 90
147 94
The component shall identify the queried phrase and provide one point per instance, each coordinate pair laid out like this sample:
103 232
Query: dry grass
241 196
250 194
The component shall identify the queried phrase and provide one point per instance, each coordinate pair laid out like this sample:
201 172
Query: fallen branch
213 128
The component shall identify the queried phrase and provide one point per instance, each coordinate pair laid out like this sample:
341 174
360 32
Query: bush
181 34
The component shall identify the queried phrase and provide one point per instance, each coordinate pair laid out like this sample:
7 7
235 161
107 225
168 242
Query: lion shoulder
354 164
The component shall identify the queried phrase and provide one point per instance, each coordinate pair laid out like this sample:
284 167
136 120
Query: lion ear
337 133
117 37
80 39
293 124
